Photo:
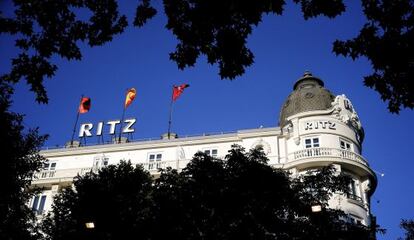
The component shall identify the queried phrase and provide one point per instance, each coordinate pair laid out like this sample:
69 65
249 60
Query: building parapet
150 144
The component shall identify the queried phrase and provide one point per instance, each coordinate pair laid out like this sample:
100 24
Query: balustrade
326 152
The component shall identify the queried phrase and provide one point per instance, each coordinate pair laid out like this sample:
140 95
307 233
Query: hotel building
316 128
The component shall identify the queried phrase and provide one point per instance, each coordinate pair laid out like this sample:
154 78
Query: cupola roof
308 94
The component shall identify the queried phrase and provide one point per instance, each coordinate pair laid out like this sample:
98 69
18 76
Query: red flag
130 96
178 90
85 105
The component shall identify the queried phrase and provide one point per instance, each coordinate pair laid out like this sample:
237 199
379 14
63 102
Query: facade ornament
365 186
100 160
294 124
290 127
180 153
265 145
297 140
345 112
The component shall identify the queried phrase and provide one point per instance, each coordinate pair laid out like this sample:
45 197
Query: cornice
163 143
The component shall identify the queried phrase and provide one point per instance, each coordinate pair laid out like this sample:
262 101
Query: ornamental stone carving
265 145
345 112
180 153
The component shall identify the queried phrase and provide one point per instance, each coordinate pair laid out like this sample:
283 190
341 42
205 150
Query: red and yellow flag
130 96
178 90
85 105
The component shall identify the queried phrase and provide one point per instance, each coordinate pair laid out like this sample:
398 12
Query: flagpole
122 120
171 108
120 129
76 123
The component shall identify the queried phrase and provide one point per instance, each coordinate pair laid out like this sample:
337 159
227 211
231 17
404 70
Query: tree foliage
408 226
117 200
47 28
20 159
387 41
217 29
240 197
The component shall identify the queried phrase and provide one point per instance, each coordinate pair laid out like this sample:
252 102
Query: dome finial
307 74
306 78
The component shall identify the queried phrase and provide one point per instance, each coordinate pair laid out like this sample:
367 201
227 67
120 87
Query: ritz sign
320 125
127 127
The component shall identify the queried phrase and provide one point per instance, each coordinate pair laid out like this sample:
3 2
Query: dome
308 94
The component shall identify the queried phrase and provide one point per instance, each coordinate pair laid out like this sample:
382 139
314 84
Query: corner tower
322 129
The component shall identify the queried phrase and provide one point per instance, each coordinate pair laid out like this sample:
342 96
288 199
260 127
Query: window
354 191
345 145
49 166
211 152
345 148
311 142
105 161
100 161
312 145
38 205
46 166
48 170
154 161
53 166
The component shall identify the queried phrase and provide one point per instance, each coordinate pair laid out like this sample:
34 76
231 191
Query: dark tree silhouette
217 29
20 159
117 200
48 28
408 226
240 197
387 40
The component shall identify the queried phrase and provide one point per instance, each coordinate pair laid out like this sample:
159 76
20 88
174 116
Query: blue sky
284 47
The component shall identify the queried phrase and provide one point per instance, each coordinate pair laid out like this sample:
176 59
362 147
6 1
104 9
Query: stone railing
152 167
326 152
155 165
62 173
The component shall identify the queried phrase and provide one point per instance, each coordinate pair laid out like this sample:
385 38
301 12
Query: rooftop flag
85 105
131 93
178 90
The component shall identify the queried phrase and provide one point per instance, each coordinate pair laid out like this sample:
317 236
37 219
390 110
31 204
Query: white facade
311 139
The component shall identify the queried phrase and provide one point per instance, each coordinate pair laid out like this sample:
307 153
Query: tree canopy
216 29
387 41
117 200
408 226
240 197
48 28
20 159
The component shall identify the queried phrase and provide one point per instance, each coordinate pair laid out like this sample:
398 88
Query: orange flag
130 96
85 105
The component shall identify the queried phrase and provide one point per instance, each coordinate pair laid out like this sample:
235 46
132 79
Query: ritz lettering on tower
324 124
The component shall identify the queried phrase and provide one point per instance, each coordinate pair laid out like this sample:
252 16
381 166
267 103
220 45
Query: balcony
58 174
327 152
153 166
354 197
